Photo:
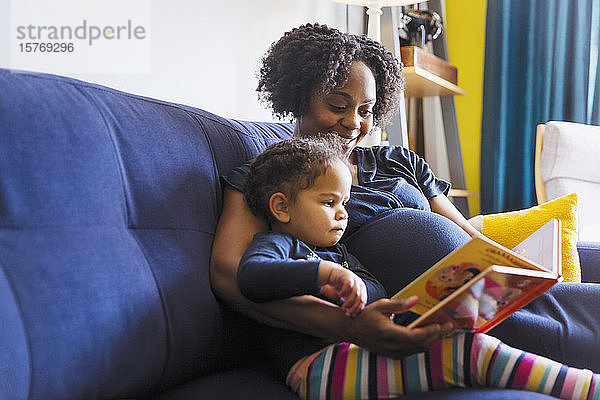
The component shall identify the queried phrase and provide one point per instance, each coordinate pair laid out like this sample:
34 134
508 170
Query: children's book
481 283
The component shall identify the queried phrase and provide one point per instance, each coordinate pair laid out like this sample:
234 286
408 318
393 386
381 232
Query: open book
481 283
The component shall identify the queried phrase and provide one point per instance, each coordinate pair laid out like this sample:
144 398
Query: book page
489 298
458 268
544 246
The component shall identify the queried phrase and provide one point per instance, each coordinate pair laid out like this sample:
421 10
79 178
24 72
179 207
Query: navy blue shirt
388 177
277 266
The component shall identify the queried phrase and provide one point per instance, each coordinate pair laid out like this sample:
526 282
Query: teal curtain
541 64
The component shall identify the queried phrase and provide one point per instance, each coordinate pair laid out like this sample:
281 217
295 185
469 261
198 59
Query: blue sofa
108 207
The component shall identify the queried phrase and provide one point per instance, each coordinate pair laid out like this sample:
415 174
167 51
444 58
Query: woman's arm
442 205
235 230
372 328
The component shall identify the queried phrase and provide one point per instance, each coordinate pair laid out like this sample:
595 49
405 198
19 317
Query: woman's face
345 111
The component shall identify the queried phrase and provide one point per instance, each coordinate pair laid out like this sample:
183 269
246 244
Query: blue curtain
541 64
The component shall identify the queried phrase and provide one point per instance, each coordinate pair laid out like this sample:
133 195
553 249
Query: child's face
318 216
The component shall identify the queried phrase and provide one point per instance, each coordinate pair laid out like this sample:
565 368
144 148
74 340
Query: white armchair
567 159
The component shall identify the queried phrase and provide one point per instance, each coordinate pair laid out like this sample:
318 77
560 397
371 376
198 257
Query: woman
344 84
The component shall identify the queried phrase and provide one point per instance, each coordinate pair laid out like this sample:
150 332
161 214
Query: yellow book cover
481 283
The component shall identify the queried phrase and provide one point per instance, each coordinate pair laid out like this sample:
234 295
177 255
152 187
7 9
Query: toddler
301 187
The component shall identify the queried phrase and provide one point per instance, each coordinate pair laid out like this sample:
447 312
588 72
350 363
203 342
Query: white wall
206 53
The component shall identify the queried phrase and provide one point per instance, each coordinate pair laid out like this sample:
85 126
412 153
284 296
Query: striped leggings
346 371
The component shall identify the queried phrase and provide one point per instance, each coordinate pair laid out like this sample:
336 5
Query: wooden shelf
428 75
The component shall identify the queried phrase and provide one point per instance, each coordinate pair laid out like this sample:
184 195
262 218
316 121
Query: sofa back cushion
108 206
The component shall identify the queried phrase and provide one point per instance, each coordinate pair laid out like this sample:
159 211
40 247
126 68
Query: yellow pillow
511 228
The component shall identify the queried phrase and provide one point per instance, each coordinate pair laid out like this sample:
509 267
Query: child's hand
345 284
351 289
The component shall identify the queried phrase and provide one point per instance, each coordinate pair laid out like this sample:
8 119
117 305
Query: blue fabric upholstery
589 257
108 206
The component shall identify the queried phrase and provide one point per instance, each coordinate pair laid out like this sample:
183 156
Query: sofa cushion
108 206
89 311
589 255
259 382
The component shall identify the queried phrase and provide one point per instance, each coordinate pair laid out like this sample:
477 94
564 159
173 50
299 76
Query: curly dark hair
315 59
289 167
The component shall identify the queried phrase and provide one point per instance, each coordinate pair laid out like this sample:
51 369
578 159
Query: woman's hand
374 330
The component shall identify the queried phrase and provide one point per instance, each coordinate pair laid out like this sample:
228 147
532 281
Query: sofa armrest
589 257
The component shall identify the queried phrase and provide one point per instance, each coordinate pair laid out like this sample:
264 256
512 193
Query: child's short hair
289 167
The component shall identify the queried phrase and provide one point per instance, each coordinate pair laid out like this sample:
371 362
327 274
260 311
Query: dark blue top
277 266
388 177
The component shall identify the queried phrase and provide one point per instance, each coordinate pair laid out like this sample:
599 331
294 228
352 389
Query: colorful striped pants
346 371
